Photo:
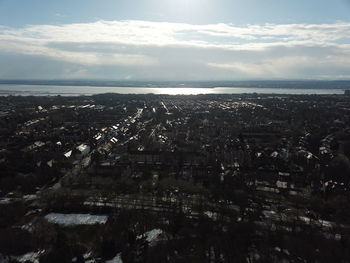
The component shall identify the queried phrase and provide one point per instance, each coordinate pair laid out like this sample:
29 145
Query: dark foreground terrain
151 178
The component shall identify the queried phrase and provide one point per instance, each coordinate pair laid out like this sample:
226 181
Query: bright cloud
160 50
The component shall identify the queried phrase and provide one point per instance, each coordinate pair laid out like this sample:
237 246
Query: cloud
60 15
160 50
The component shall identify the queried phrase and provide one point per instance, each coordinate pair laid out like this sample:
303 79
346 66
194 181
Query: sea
54 90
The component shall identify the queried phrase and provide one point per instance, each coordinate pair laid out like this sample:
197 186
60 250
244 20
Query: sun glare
184 6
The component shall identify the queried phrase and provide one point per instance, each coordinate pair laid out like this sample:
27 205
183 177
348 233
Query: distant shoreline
73 90
273 84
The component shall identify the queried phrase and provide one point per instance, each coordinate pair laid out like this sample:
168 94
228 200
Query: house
81 151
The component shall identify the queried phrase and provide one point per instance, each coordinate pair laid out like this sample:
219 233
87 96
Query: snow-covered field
76 219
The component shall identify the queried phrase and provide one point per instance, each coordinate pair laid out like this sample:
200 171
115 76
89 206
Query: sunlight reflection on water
182 91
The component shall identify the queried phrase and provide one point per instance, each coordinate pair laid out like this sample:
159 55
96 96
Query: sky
174 39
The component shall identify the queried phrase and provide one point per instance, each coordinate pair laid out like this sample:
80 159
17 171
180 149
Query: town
161 178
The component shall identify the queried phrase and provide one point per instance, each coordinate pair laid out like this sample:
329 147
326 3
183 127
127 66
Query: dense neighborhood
160 178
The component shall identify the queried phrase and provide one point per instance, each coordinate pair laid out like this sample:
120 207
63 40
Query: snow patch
76 219
30 197
210 214
32 257
7 201
151 235
116 259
